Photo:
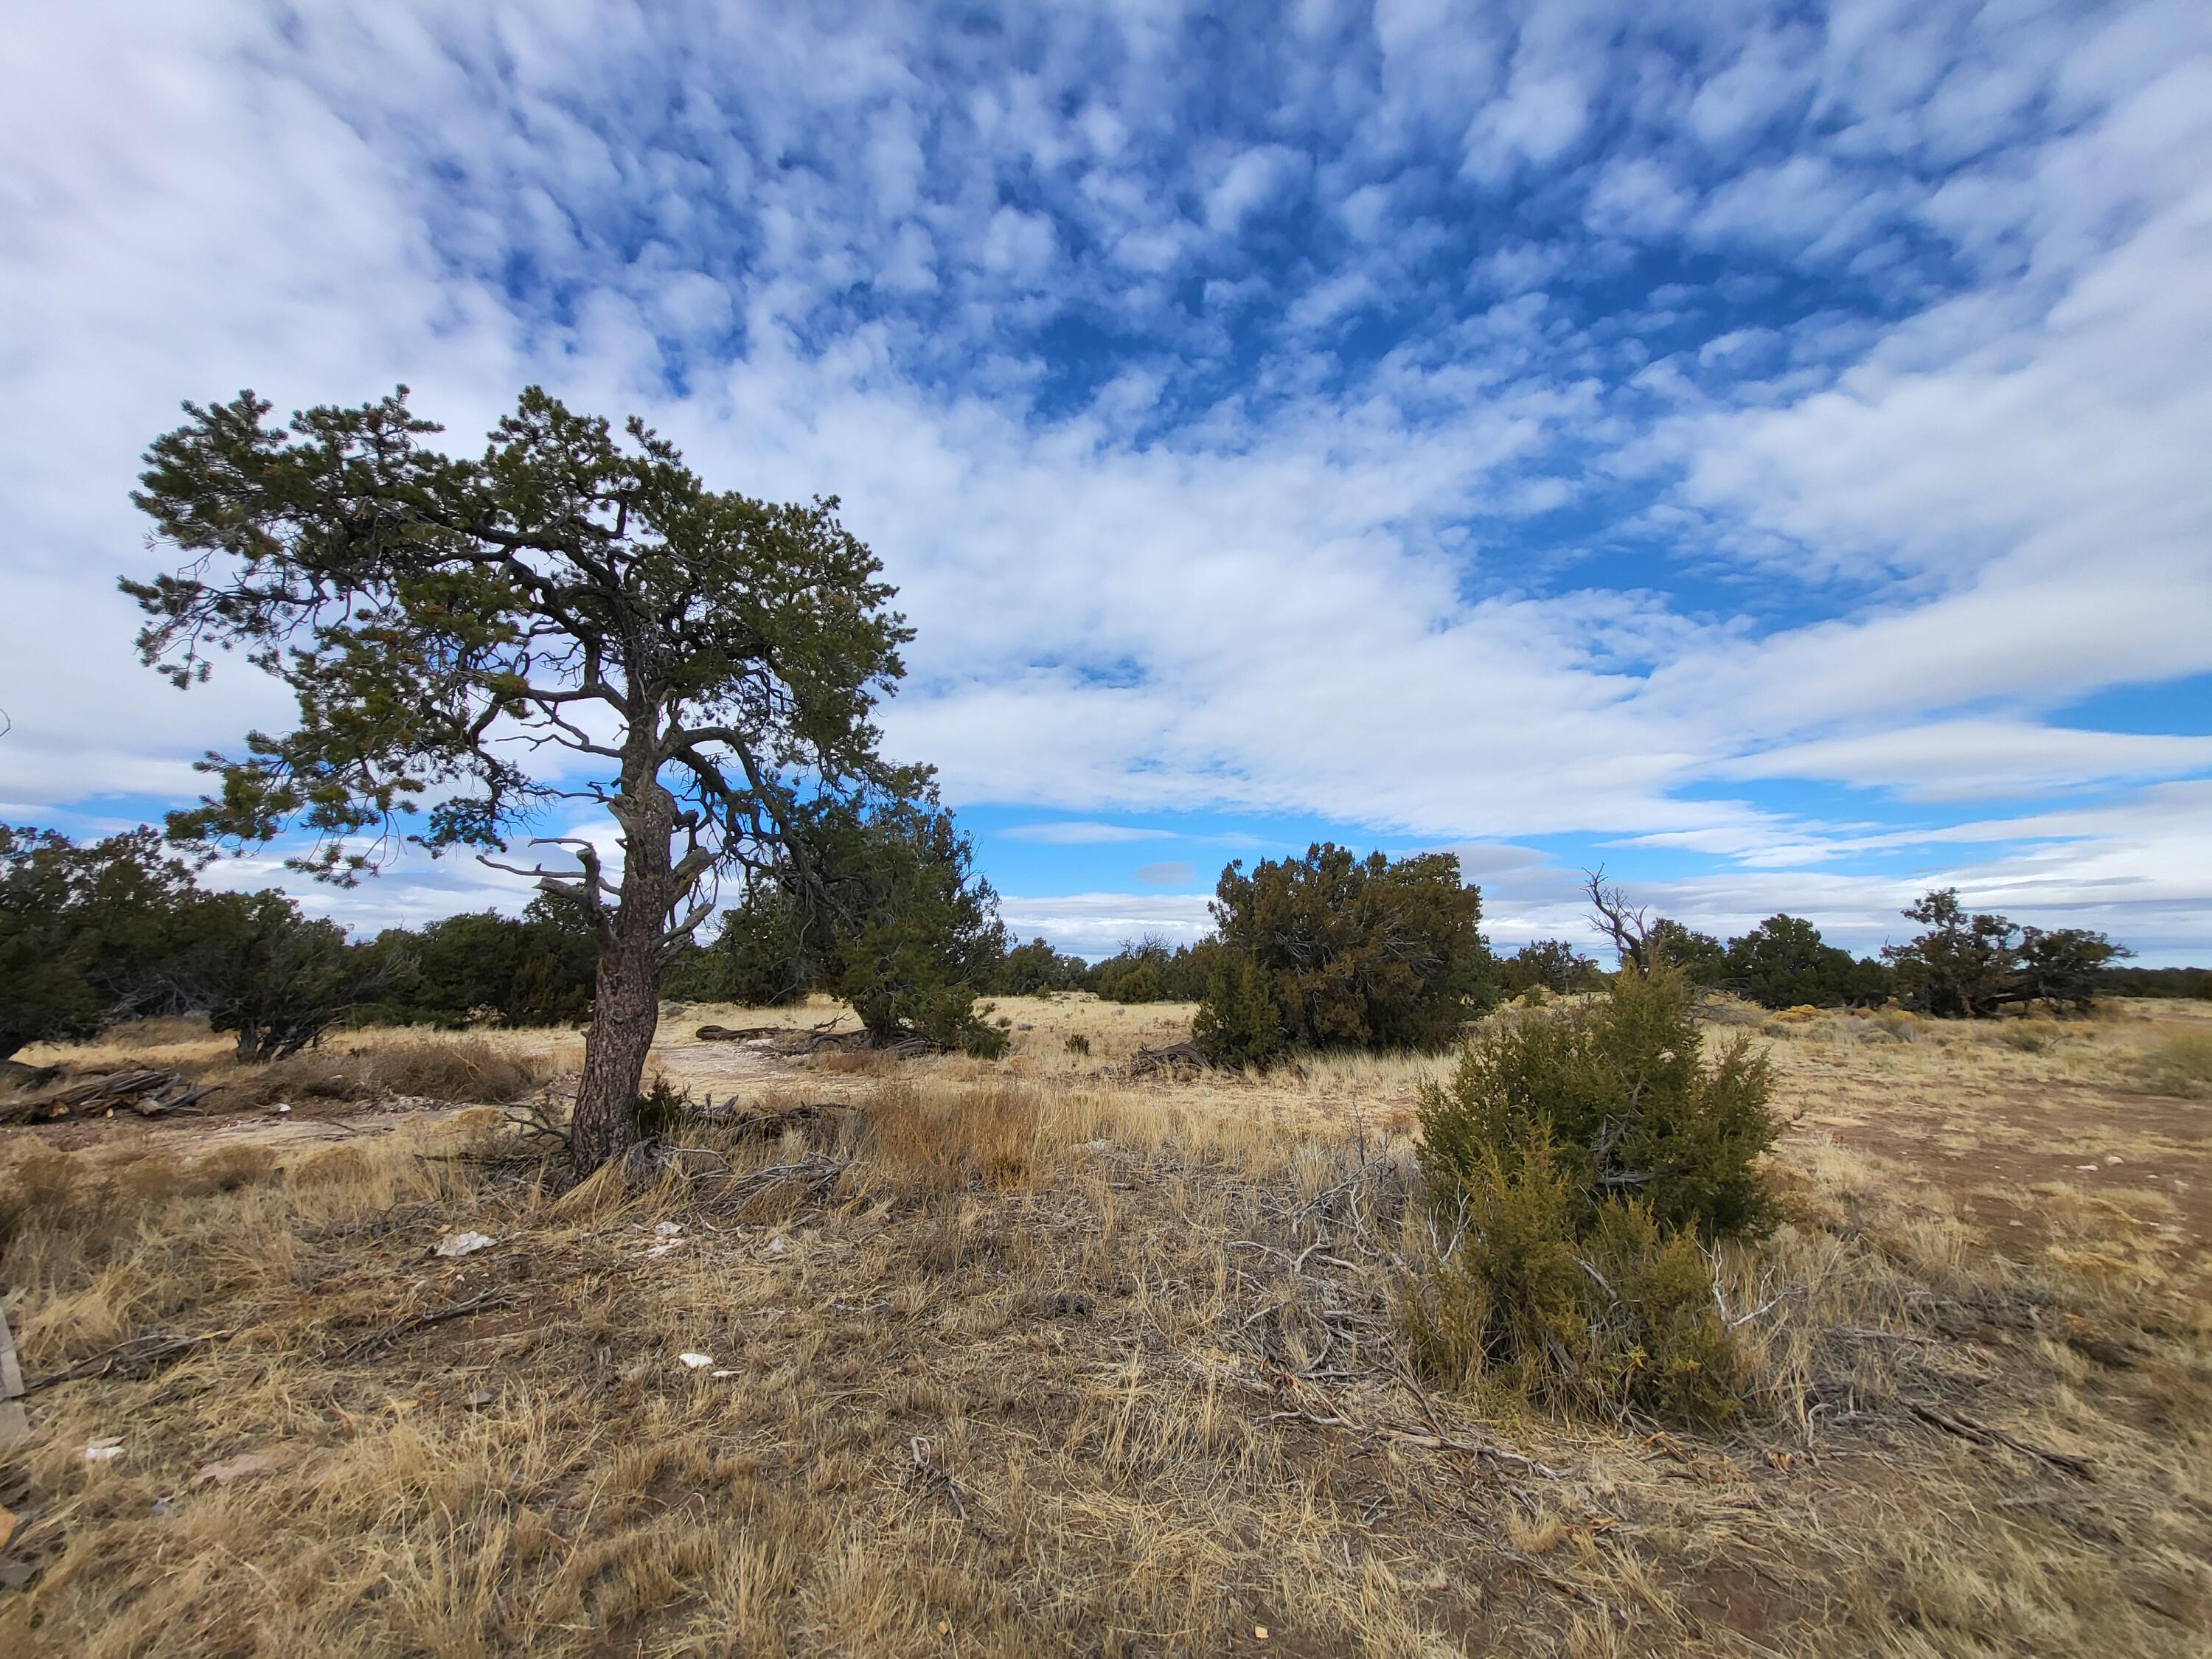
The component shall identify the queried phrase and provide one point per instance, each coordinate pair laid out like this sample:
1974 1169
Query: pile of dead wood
147 1091
1175 1058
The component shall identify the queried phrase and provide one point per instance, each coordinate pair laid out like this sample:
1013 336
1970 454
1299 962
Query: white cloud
1081 834
1099 924
1252 178
1959 760
1272 576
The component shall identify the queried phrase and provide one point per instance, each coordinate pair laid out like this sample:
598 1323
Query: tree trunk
624 1016
626 1008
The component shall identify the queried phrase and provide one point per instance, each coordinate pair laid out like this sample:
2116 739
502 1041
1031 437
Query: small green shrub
948 1015
1239 1024
1576 1165
663 1110
1135 982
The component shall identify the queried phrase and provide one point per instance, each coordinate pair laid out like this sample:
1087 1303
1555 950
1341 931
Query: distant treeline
1326 949
121 929
2191 983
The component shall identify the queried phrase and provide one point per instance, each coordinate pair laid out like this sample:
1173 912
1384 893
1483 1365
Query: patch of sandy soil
2025 1146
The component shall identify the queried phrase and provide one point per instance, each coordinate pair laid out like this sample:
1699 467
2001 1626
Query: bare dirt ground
1040 1358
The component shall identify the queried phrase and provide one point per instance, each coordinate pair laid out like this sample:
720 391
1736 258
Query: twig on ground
391 1333
927 1472
135 1358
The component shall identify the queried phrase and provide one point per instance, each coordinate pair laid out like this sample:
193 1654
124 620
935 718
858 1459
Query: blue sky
1761 449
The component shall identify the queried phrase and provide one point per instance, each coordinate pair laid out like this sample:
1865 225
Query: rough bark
626 1010
623 1020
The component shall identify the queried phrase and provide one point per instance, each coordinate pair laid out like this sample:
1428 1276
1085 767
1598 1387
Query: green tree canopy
1361 952
1037 969
907 933
1552 964
275 977
1783 963
1970 965
1702 958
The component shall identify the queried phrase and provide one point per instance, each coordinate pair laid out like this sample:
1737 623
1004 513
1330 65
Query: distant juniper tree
1783 963
1970 965
699 666
1037 969
1551 964
2066 967
275 978
1702 958
1962 966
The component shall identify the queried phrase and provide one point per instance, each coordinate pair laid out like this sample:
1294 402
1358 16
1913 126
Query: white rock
669 1229
695 1360
465 1243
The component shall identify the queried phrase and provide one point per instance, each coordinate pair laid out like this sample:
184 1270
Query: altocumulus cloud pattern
1762 448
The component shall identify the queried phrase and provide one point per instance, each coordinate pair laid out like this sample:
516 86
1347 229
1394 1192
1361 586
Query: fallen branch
1982 1434
906 1047
392 1334
15 1423
1535 1570
766 1122
127 1360
812 1176
1473 1449
535 1122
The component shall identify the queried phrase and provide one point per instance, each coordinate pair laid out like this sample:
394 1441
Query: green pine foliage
906 931
759 959
89 934
1363 953
1150 970
1577 1164
484 969
1783 963
1702 958
1035 969
275 978
1136 980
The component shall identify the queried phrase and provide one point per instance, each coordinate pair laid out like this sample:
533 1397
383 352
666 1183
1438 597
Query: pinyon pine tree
571 618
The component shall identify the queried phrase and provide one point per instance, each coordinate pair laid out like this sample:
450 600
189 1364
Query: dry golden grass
1035 1358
